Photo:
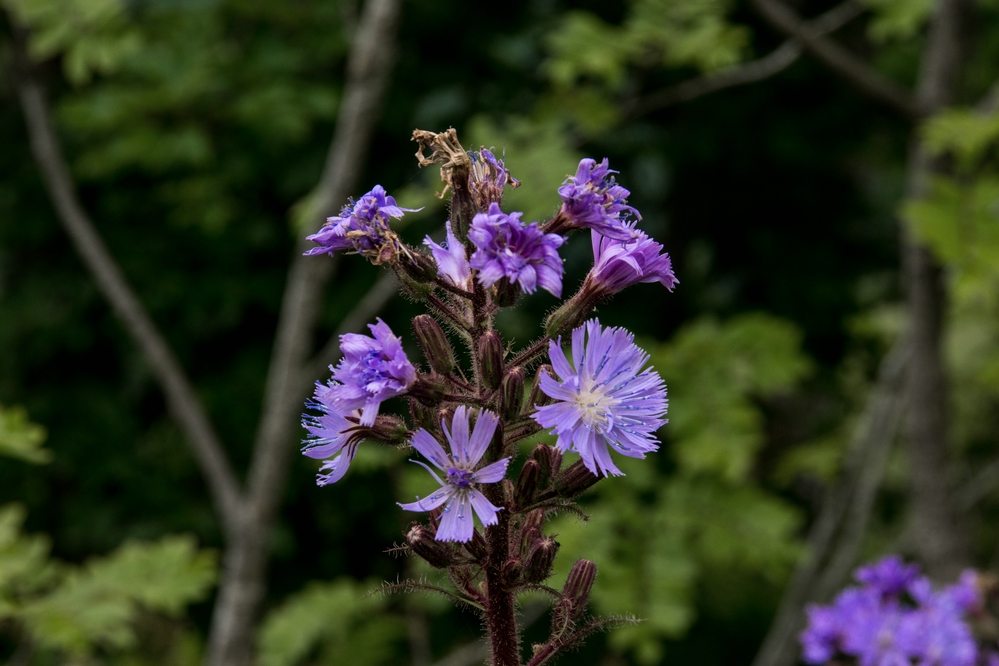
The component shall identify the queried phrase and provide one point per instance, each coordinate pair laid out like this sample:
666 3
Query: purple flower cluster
604 399
621 263
362 225
372 370
523 254
458 492
895 618
592 199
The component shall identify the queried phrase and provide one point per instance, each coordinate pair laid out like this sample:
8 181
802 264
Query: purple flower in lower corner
363 226
604 399
621 263
452 263
373 369
592 199
523 254
459 493
329 434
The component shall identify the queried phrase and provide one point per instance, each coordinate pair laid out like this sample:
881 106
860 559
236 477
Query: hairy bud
419 266
527 483
491 359
477 547
414 289
389 430
540 558
549 462
512 570
572 313
578 585
423 543
507 293
436 348
513 393
575 479
428 389
539 398
423 415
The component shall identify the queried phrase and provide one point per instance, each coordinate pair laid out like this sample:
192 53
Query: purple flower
964 595
821 639
329 434
362 225
621 263
488 178
452 263
373 369
523 254
606 400
592 199
889 576
459 488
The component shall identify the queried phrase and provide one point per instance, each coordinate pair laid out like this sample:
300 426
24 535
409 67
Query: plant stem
501 620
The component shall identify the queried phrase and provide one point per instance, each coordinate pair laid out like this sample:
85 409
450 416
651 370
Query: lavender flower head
604 399
488 178
895 619
329 434
373 369
523 254
459 493
363 226
621 263
452 264
592 199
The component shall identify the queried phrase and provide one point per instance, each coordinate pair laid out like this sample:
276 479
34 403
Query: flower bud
414 289
389 429
539 398
436 553
512 570
507 293
578 585
436 348
513 393
419 266
549 462
574 480
540 558
424 416
527 483
428 389
476 546
491 359
508 491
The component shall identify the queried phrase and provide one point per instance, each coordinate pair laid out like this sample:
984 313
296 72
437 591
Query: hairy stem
501 619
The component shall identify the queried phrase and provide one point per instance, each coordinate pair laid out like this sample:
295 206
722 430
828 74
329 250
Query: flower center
373 368
595 407
459 478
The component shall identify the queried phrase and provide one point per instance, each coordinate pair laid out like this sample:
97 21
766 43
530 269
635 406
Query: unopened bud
508 491
540 558
423 543
549 462
419 266
574 480
512 570
389 430
578 585
539 398
491 359
423 415
527 483
507 293
416 289
428 389
436 348
476 546
513 393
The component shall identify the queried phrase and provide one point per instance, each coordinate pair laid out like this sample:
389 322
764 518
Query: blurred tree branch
836 535
837 59
246 515
749 72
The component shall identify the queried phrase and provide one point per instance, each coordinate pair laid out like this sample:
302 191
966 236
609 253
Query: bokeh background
195 132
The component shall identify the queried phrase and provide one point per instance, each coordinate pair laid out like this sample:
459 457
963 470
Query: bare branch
182 399
847 507
978 488
749 72
990 101
838 59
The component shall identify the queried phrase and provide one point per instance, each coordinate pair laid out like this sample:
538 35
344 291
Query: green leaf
21 439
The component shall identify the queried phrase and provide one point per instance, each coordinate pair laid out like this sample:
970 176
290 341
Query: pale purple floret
489 177
362 225
895 619
329 436
523 254
452 264
373 369
592 199
459 493
621 263
890 576
604 399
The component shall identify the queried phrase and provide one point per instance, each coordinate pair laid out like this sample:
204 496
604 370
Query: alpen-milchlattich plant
485 527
